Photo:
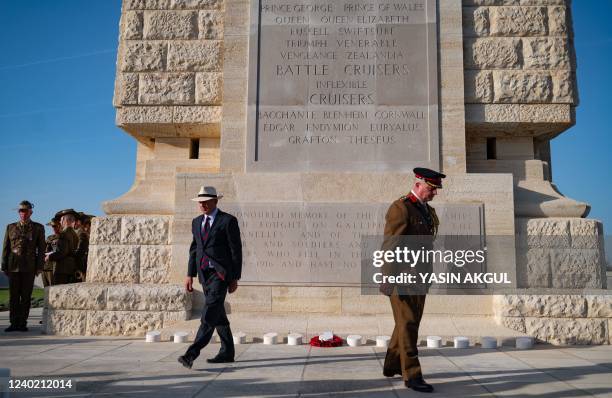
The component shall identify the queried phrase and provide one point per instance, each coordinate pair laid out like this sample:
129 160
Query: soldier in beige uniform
22 259
82 250
65 257
51 246
409 215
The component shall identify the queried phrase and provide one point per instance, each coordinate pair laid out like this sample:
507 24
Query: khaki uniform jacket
64 257
50 247
24 247
82 249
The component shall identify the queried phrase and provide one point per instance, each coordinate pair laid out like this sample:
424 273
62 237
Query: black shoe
186 362
219 359
419 385
391 373
11 329
23 329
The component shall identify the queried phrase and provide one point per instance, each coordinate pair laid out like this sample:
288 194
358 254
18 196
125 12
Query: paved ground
130 367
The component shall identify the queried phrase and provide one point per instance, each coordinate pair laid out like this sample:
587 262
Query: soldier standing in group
51 246
64 256
409 215
22 260
83 246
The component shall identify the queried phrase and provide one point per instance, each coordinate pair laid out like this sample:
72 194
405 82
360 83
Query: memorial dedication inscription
343 85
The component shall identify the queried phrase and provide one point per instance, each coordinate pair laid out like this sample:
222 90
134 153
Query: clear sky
60 147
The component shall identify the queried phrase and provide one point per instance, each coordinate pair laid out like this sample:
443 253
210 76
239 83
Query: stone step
255 324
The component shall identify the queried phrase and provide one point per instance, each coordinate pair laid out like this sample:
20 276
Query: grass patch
38 294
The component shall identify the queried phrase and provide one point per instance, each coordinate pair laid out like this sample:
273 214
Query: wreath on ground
335 341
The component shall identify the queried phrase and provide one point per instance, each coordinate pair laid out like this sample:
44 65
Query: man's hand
189 284
233 285
47 258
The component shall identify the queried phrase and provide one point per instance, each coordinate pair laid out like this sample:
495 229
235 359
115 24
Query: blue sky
60 147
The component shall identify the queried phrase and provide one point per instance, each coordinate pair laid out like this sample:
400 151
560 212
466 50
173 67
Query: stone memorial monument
309 117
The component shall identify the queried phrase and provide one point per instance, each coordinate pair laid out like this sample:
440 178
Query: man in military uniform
409 215
65 257
51 246
22 259
84 223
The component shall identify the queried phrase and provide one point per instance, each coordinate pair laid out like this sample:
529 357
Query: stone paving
104 366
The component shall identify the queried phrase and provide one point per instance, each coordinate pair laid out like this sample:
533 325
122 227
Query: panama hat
207 193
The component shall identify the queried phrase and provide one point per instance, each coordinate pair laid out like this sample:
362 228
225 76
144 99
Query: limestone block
113 264
105 230
250 299
170 25
145 230
546 53
209 88
197 114
517 21
132 25
550 306
142 56
475 21
490 2
198 56
170 317
522 87
478 86
543 2
126 89
146 297
493 53
196 4
546 113
547 232
166 89
210 25
538 268
576 268
76 296
353 302
306 299
65 322
144 115
122 323
564 83
599 306
586 233
561 331
557 21
513 323
146 4
155 262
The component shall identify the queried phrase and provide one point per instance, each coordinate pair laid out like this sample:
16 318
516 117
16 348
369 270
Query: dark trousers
213 317
402 355
20 296
47 277
61 279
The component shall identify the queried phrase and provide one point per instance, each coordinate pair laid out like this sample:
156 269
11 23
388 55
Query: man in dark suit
215 256
409 215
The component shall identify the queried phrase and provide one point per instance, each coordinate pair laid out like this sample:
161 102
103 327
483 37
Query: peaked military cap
431 177
25 205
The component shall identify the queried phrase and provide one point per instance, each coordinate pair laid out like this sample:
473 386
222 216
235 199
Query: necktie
205 231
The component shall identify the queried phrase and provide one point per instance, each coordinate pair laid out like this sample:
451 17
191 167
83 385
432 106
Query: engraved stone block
306 299
475 21
209 88
478 86
599 306
522 87
210 25
77 296
144 297
105 230
155 264
195 56
546 53
143 56
65 322
113 264
122 323
251 299
517 21
167 89
132 25
170 25
145 230
493 53
561 331
126 89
